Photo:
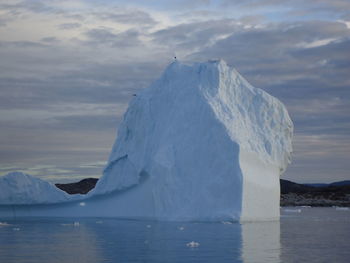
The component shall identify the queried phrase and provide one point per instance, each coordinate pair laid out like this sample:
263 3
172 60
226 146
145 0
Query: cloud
319 158
126 39
3 21
68 26
38 93
22 44
127 16
28 5
63 90
90 122
50 40
190 37
337 6
101 35
272 51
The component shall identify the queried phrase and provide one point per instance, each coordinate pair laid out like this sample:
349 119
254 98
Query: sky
68 69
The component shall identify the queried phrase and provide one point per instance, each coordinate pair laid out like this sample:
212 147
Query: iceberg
200 143
22 189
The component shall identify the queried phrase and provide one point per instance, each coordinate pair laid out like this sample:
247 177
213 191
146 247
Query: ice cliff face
201 143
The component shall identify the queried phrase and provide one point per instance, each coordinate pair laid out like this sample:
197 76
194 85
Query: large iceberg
201 143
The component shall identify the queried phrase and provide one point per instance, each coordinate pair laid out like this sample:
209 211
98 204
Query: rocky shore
293 199
293 194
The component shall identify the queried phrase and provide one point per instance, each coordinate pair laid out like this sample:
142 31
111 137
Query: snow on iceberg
199 144
19 188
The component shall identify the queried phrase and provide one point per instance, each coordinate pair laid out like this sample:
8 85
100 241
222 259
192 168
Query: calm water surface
302 235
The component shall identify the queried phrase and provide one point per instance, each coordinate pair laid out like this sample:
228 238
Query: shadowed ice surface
302 235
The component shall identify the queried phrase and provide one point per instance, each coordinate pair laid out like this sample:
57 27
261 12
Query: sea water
302 235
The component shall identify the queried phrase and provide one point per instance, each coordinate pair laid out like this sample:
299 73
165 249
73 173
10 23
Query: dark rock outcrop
81 187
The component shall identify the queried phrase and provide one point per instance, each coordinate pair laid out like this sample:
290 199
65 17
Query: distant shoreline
317 195
294 199
292 194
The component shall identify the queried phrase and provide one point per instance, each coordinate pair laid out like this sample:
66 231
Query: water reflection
35 241
315 235
135 241
111 240
311 235
261 242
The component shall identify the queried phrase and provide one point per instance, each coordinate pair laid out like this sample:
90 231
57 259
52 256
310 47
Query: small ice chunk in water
341 208
16 229
74 224
181 228
292 210
148 226
82 204
226 222
4 224
192 244
99 222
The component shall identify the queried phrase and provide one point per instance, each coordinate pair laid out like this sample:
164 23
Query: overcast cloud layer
69 68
